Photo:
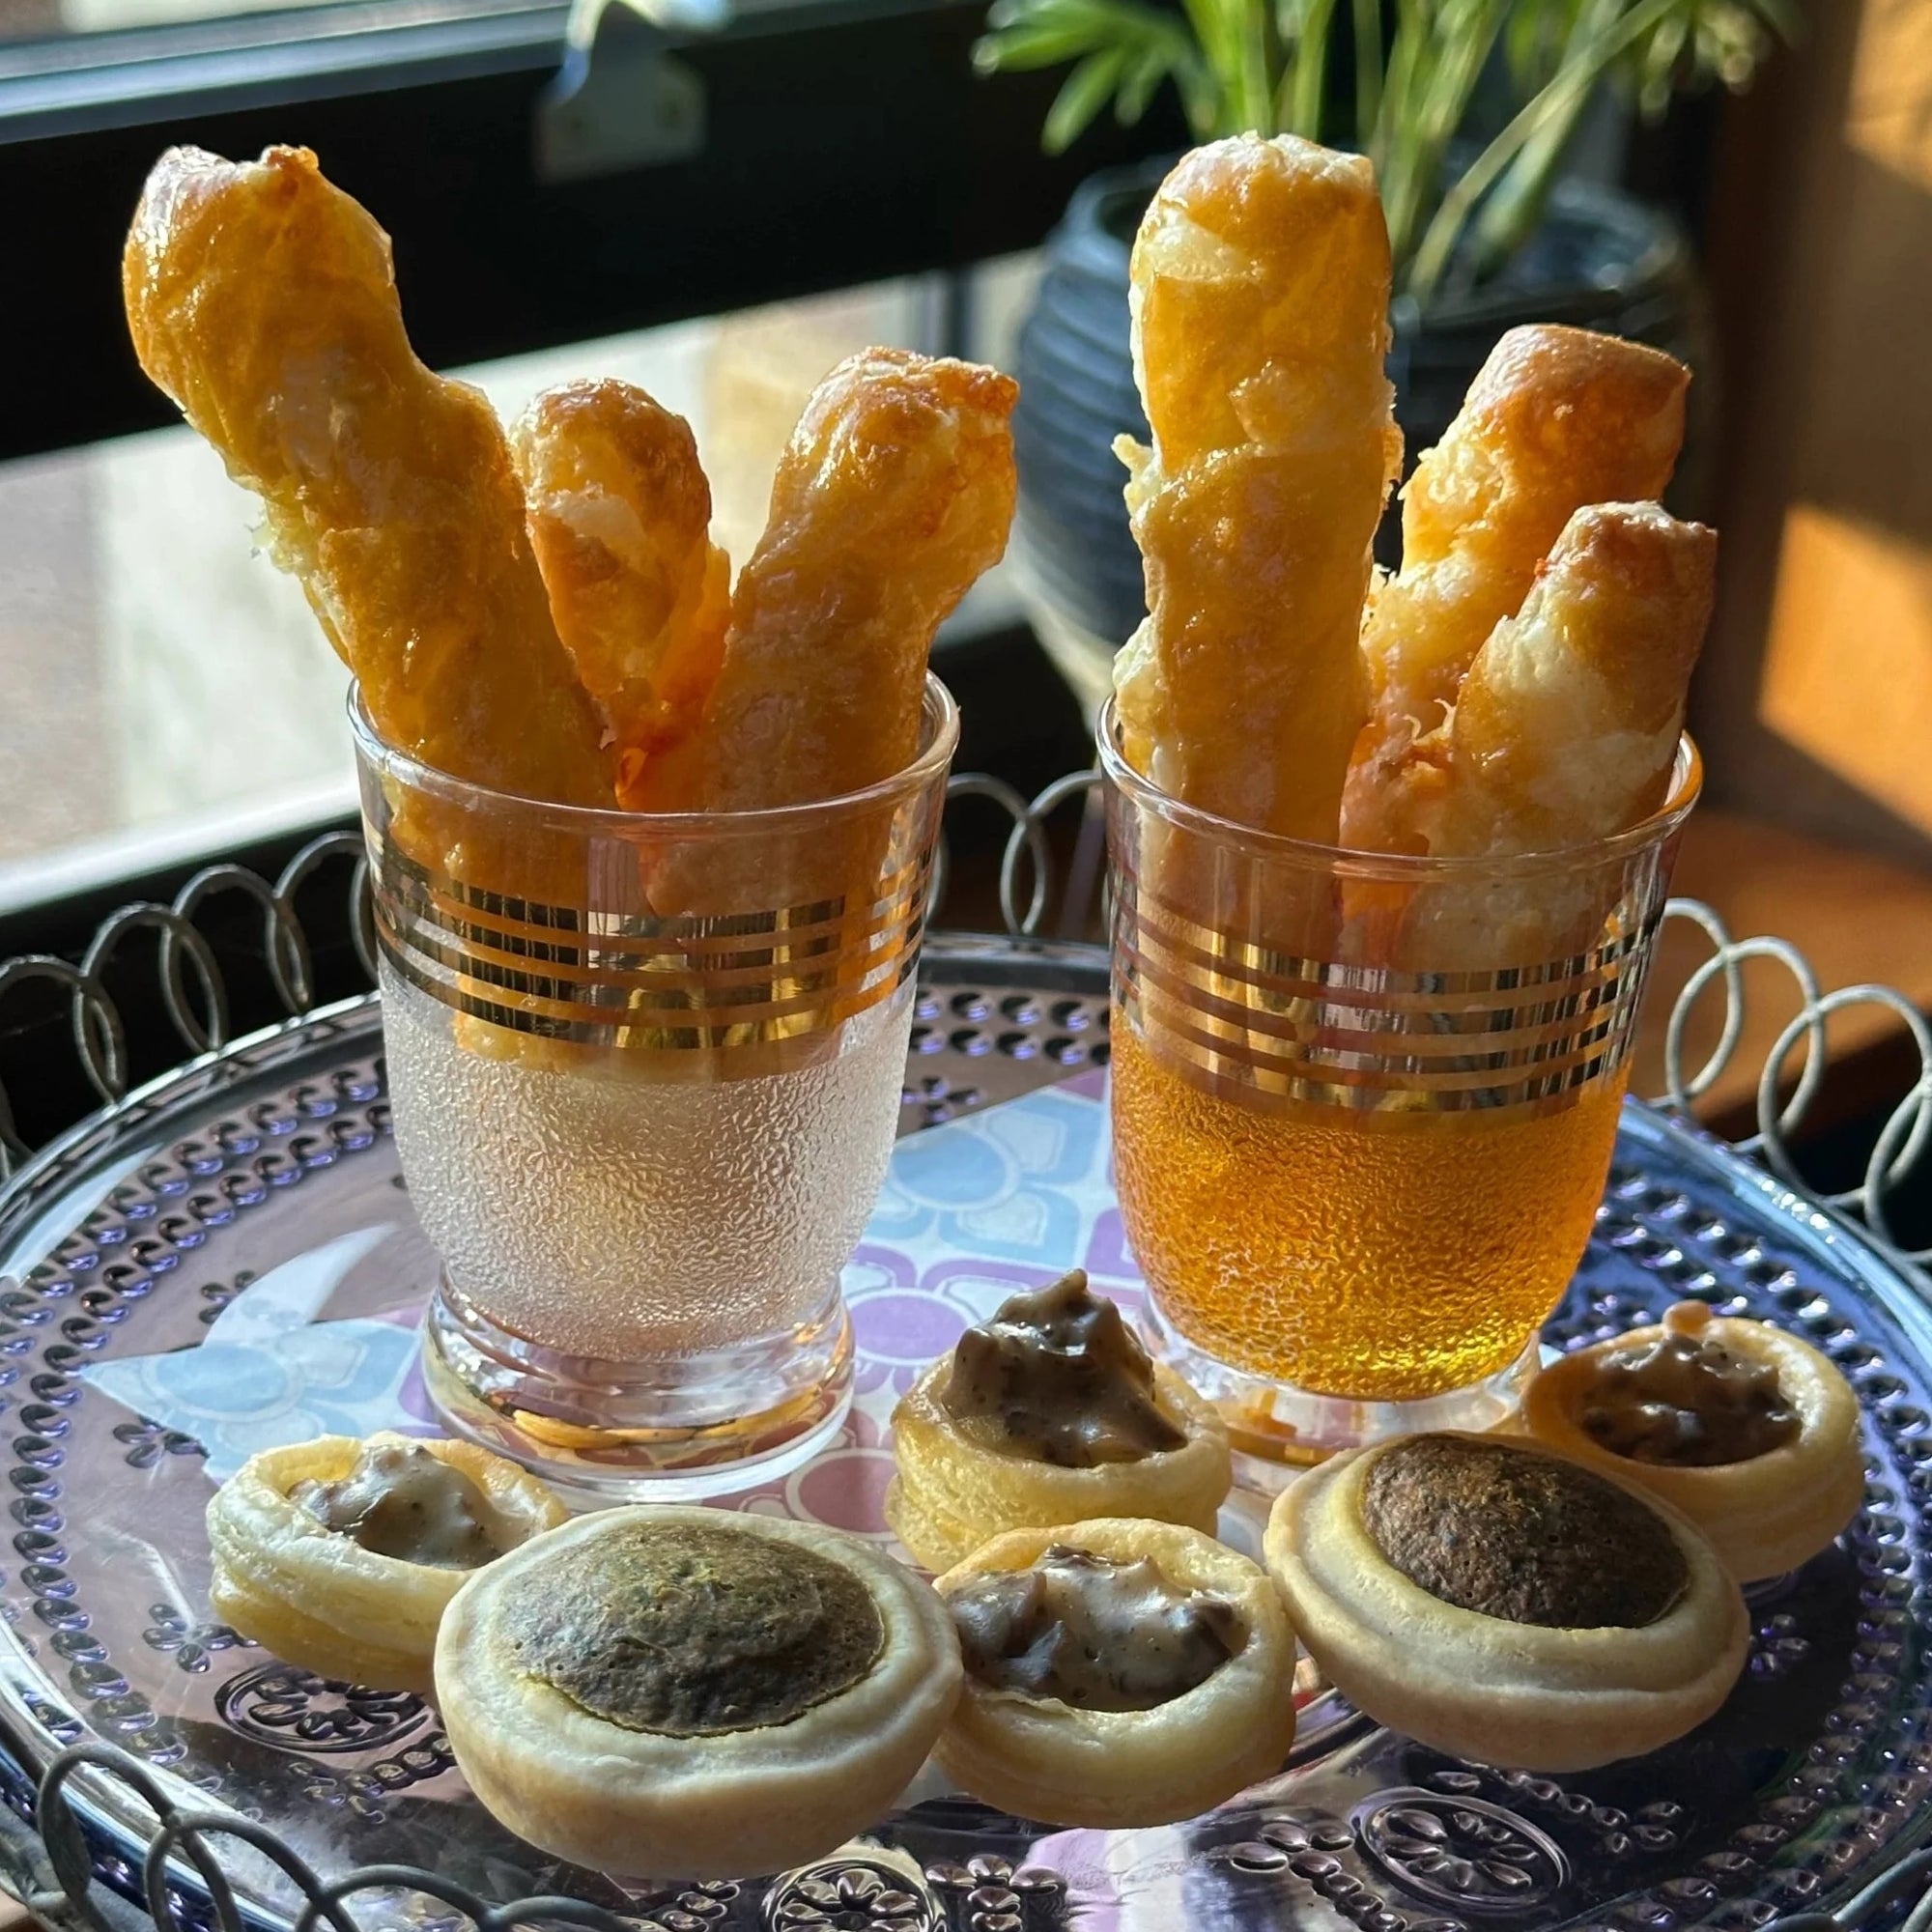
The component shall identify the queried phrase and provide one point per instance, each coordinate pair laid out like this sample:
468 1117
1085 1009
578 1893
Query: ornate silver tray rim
182 1877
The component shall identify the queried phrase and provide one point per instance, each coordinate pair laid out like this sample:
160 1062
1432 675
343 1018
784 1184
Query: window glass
166 684
25 20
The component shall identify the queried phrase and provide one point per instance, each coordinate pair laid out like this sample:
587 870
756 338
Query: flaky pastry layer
619 514
892 497
1526 1695
1038 1757
1260 293
262 299
1764 1516
956 1486
1566 732
314 1596
730 1805
1556 418
1567 724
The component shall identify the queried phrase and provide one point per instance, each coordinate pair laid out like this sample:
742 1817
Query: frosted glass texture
608 1215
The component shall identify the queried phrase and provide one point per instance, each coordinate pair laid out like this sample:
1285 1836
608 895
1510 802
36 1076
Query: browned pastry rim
317 1598
955 1490
1537 1696
706 1789
1038 1757
1765 1515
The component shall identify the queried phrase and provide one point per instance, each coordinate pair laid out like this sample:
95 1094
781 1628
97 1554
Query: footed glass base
1277 1430
672 1430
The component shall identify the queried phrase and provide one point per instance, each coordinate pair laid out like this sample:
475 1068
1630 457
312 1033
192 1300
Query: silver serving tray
128 1236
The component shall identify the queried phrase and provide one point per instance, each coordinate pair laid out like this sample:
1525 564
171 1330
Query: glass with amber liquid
1364 1104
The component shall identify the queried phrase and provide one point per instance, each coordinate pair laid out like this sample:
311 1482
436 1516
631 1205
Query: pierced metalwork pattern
1364 1829
200 1019
1461 1851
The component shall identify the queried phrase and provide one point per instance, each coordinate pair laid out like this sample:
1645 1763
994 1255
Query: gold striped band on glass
1269 1028
642 982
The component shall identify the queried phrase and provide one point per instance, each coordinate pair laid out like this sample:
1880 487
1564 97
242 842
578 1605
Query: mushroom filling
1514 1534
1686 1399
692 1633
1065 1377
399 1501
1093 1631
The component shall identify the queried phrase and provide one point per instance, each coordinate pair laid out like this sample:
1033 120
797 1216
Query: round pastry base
674 1429
1277 1430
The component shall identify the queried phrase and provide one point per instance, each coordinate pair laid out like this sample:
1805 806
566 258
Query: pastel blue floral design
1023 1182
270 1373
971 1210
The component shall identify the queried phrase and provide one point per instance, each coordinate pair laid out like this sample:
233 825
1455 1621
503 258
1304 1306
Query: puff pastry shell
1765 1515
1038 1757
317 1598
1527 1695
955 1488
654 1804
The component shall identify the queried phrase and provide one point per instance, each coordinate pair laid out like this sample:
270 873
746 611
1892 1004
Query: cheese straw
619 515
1556 418
1567 722
895 493
1565 731
1260 289
263 301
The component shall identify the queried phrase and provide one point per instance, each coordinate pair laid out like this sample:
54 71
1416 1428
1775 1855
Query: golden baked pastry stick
1565 733
263 301
1569 719
1260 285
619 515
895 493
1556 418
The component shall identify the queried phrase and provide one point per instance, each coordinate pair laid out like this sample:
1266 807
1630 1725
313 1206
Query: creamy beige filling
1685 1399
1063 1376
399 1501
1093 1631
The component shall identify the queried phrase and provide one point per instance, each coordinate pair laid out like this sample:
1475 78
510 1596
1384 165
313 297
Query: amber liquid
1380 1256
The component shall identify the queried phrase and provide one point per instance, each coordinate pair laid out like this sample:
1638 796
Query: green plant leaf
1303 83
1704 43
1368 51
1657 65
1212 26
1784 17
1534 38
1016 50
1141 79
1590 56
1026 34
1085 91
1264 64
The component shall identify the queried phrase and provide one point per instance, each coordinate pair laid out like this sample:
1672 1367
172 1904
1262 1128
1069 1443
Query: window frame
846 142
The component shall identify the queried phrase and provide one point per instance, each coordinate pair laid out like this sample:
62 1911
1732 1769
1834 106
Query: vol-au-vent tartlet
1116 1673
341 1554
1750 1431
691 1692
1051 1412
1500 1603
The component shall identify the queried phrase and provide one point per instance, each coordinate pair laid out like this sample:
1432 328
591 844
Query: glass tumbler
1364 1105
646 1072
